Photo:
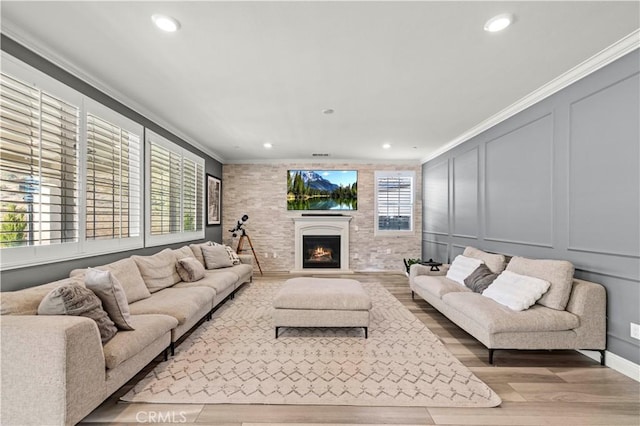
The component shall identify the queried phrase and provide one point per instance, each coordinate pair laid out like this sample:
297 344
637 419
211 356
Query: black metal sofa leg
491 356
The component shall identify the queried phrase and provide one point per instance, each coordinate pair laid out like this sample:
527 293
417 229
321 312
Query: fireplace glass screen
321 251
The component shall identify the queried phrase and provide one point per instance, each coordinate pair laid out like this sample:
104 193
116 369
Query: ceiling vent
319 155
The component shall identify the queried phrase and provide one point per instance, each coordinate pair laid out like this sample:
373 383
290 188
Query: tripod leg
240 244
255 256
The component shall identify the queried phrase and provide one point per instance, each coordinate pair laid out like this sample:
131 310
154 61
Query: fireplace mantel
322 225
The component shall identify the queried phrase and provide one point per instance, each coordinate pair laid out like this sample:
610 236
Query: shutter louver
176 191
38 166
113 170
395 203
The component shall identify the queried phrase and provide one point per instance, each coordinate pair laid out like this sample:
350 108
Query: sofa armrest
589 302
246 259
53 369
416 269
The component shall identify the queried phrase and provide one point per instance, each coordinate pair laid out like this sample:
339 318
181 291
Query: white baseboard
616 362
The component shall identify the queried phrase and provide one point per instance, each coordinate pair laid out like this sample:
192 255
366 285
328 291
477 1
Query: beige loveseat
575 320
55 369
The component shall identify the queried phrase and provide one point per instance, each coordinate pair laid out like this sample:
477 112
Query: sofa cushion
220 279
518 292
495 262
190 269
78 301
197 250
462 267
438 285
216 257
497 318
108 289
159 270
180 303
26 302
558 272
126 344
480 279
182 252
127 273
217 279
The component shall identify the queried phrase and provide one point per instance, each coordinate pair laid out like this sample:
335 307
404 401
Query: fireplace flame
321 253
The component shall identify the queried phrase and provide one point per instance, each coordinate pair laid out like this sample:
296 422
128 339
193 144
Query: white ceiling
416 75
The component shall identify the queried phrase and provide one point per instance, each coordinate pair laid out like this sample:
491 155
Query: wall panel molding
519 183
465 202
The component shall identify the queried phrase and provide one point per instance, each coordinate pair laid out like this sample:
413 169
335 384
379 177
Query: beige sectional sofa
575 320
55 369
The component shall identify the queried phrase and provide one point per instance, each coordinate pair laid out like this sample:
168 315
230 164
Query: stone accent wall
260 191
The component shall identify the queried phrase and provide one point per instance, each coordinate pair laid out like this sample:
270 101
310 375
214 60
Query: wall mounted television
322 190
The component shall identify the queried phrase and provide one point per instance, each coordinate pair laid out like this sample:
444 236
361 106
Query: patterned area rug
235 359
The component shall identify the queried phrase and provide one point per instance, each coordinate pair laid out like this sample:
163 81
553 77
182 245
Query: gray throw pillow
78 301
216 257
114 300
190 269
480 279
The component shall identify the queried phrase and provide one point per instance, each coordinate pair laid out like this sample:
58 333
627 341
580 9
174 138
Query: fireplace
321 251
332 232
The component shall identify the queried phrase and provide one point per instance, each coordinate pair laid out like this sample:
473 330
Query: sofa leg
413 295
165 354
366 332
491 356
277 332
173 348
602 352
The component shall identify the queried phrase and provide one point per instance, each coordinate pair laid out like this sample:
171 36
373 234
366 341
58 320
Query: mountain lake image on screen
322 190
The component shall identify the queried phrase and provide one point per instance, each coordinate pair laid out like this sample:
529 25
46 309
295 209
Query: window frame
395 174
173 237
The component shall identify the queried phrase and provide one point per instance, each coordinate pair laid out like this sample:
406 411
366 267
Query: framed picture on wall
214 194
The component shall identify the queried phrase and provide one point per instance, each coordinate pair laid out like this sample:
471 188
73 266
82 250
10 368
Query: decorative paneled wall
560 180
260 190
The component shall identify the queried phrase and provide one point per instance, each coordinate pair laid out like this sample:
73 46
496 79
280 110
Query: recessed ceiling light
267 145
166 23
386 146
498 22
328 111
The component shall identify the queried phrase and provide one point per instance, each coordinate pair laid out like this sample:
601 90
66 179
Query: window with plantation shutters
70 172
394 202
176 188
38 166
113 177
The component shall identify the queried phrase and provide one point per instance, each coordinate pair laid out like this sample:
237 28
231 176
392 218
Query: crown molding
617 50
36 47
323 161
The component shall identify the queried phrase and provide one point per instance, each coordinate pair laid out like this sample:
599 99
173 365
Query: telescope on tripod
239 229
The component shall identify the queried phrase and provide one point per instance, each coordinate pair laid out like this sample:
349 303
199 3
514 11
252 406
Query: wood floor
536 387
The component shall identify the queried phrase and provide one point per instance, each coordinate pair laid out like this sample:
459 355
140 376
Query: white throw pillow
462 267
515 291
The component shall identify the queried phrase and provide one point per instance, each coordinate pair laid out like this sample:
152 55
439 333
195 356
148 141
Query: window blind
113 181
394 200
38 166
176 183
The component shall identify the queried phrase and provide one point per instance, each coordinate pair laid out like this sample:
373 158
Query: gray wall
26 277
559 180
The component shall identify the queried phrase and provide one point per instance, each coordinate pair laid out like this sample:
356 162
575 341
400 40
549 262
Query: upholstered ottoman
321 302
